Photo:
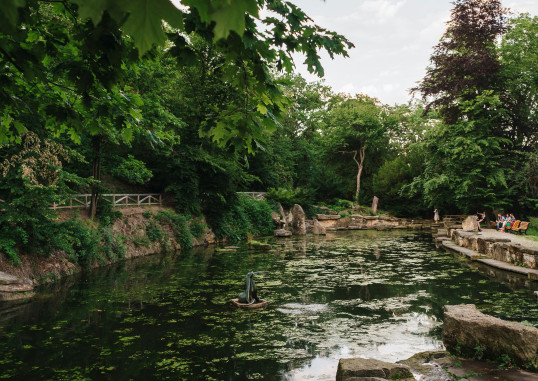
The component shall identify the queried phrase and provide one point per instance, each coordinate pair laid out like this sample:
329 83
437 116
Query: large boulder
370 369
299 220
465 329
318 228
470 224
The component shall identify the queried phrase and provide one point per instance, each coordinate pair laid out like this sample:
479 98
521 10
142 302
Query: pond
350 294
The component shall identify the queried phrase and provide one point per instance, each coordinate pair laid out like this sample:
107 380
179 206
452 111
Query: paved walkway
516 238
479 257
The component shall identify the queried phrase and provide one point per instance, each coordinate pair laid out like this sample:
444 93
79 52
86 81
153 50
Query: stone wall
360 222
501 249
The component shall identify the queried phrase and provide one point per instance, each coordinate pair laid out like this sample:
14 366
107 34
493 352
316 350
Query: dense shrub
154 232
113 245
105 213
533 227
197 228
178 223
244 216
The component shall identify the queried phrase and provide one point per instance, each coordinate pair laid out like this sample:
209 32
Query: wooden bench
512 226
521 227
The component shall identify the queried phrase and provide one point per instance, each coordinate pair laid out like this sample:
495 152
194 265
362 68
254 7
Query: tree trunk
360 165
96 173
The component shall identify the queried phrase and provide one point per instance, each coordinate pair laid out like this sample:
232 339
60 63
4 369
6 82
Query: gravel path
516 238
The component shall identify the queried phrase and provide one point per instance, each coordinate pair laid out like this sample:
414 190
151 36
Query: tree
519 81
405 161
467 165
108 26
355 127
464 62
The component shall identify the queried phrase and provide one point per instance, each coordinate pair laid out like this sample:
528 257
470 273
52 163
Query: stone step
472 255
6 278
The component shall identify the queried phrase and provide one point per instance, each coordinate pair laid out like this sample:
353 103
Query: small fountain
249 298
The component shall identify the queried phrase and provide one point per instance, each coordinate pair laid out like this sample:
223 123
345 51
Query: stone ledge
326 217
465 328
472 255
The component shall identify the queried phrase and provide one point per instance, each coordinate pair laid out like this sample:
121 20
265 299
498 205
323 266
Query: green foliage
82 243
113 245
533 226
82 48
178 223
154 232
141 240
243 217
504 361
197 228
479 353
106 214
133 171
288 197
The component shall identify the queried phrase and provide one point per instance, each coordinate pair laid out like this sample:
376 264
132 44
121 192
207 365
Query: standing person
480 217
436 216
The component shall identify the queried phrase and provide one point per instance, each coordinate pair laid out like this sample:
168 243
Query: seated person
500 221
510 219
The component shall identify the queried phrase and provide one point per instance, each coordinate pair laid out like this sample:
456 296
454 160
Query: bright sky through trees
394 40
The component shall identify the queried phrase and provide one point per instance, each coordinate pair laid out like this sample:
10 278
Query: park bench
513 226
521 227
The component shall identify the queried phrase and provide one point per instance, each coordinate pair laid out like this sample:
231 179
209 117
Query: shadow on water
365 293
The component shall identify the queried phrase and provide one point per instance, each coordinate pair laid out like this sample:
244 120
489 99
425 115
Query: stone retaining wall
501 249
360 222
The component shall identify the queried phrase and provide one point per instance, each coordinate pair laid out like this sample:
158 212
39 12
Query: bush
80 242
197 228
245 216
178 223
288 197
105 213
533 227
154 232
113 245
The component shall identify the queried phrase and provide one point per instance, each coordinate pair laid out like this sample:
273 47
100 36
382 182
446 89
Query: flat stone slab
472 255
442 366
531 273
282 233
325 217
465 328
19 287
6 278
356 369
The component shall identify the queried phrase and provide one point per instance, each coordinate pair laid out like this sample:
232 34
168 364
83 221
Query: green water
369 294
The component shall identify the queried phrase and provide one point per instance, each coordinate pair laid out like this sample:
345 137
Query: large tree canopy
82 47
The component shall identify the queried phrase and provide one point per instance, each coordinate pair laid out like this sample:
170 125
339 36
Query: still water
352 294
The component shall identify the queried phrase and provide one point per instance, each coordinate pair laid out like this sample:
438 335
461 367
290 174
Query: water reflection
367 294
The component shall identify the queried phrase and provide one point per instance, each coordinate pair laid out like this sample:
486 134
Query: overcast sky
393 42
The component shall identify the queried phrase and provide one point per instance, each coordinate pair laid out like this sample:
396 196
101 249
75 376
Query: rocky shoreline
475 343
295 222
18 282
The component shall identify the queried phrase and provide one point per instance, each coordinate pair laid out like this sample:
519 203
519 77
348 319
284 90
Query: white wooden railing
135 199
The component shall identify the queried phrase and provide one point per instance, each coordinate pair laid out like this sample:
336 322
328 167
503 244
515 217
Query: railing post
138 199
160 199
